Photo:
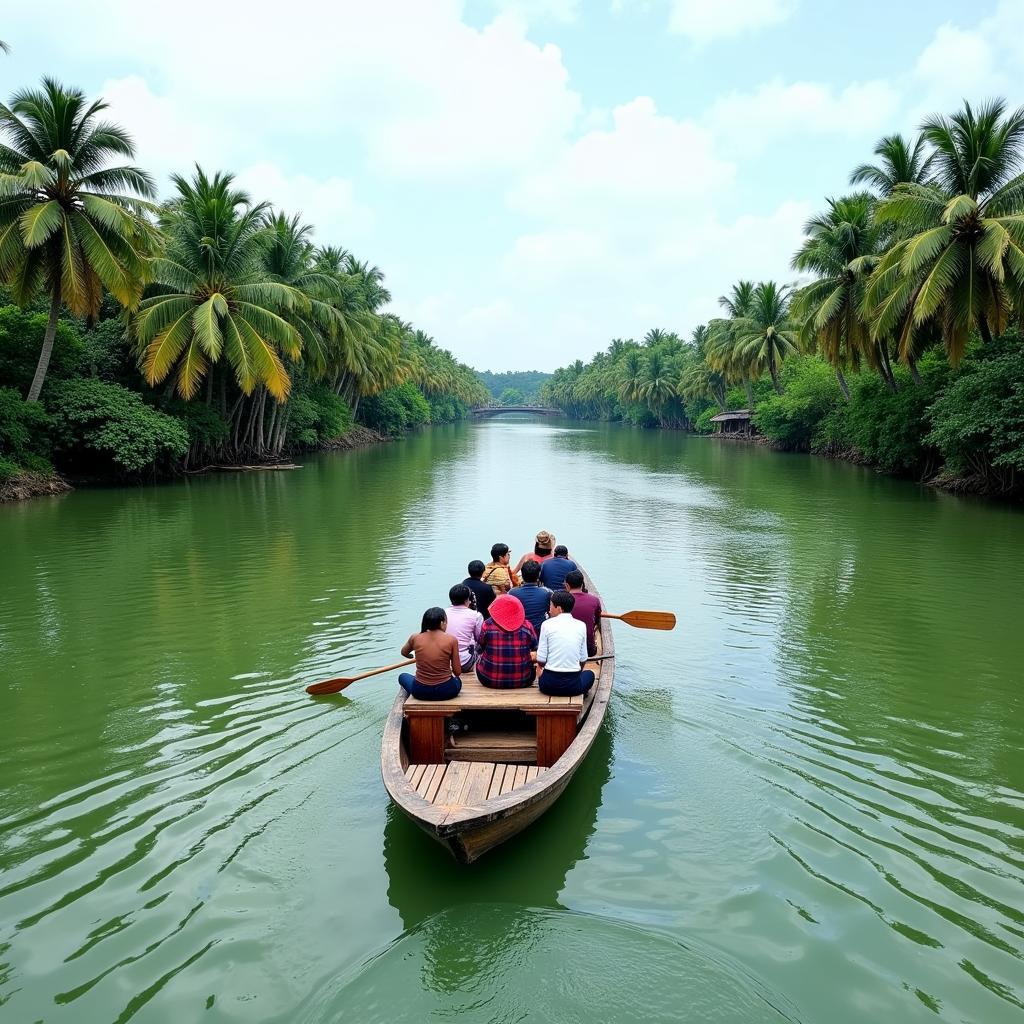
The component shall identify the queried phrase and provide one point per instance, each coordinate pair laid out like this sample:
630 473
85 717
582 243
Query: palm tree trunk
44 356
843 386
750 392
986 334
268 444
775 374
258 439
355 407
886 368
914 372
282 430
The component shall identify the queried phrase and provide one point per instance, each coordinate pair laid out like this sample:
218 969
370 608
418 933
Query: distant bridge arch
498 410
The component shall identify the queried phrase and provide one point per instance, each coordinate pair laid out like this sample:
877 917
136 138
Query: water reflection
424 878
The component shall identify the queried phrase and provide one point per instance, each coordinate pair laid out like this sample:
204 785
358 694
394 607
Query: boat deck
465 783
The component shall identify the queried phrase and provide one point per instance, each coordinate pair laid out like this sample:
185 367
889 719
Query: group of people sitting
507 623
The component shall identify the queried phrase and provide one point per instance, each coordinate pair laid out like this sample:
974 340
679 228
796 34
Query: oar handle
337 685
386 668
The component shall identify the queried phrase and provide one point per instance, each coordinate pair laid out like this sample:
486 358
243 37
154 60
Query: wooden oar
336 685
645 620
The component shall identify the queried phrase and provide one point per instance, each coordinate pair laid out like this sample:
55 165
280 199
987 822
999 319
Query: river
806 803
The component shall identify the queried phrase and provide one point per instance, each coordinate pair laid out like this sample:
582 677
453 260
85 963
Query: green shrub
25 429
108 427
810 393
396 410
702 424
208 431
977 422
106 353
317 415
446 408
889 428
21 338
8 469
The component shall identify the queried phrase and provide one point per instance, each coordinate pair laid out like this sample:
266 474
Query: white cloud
487 100
328 204
428 94
750 122
645 161
167 138
959 64
705 20
563 11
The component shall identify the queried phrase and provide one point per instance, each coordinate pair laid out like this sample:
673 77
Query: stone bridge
498 410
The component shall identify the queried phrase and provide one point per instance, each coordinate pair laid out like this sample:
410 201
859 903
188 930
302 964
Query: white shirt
563 643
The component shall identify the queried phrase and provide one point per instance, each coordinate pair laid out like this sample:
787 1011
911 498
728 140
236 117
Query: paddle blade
329 686
650 620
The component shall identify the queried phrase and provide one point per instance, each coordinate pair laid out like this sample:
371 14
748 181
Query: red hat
508 612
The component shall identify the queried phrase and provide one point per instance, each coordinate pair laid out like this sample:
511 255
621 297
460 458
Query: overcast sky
534 178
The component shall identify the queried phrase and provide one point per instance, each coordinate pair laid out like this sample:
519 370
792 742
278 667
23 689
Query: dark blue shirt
483 592
536 600
554 571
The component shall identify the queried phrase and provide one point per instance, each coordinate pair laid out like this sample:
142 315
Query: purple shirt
588 610
465 624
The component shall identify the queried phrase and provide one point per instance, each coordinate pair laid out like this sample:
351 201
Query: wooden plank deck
476 697
466 783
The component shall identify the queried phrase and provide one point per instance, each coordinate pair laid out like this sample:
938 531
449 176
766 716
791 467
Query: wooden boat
474 789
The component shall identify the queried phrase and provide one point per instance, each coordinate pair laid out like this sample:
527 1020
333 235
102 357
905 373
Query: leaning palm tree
841 249
959 263
215 299
902 163
70 223
767 334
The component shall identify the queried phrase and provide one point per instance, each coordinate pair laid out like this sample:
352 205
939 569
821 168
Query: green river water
806 803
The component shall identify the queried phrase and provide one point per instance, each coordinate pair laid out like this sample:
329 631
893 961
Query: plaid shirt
505 657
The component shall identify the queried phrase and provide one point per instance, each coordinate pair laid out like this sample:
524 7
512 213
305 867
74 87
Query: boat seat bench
556 718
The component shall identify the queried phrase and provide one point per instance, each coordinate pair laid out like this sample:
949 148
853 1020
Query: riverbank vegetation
145 336
898 345
514 387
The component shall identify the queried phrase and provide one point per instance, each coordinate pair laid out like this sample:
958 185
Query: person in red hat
506 643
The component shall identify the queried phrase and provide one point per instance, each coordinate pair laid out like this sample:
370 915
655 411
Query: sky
534 177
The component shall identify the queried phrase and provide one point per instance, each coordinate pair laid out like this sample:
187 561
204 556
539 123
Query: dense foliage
900 345
527 382
210 327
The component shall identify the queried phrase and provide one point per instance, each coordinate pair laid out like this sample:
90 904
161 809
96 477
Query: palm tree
216 300
903 163
959 263
657 385
697 378
289 258
721 352
767 334
69 222
4 47
631 374
841 248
